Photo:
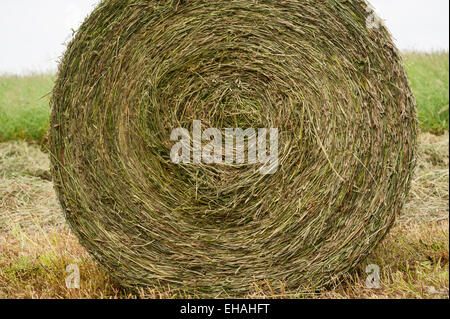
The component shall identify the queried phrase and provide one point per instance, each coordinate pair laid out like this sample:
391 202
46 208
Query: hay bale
332 84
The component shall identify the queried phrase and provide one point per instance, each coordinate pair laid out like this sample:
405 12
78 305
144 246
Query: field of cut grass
24 109
36 245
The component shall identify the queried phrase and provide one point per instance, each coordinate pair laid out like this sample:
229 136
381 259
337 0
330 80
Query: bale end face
332 84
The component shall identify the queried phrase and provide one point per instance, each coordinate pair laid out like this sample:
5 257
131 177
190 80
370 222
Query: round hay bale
324 73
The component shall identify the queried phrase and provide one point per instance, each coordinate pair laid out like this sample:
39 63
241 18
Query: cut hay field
36 245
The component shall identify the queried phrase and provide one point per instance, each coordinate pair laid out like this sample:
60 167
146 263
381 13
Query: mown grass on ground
24 101
36 245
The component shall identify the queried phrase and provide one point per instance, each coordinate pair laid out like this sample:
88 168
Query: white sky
32 33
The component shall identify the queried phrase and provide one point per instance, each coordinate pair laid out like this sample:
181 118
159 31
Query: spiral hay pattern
335 89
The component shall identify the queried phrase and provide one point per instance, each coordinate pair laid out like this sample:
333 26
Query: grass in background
429 77
24 106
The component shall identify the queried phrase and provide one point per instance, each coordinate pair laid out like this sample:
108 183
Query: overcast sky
33 32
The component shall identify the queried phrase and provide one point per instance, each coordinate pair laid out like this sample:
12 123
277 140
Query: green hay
336 90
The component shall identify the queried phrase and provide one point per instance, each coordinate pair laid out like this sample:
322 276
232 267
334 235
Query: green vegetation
24 100
24 106
429 75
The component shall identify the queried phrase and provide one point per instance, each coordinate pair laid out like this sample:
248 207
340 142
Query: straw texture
335 89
